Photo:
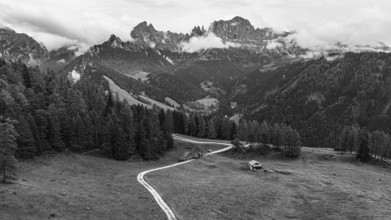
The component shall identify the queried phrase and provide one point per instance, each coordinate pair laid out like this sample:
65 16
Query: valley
219 110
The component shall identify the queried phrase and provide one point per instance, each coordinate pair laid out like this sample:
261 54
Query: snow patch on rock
169 60
75 76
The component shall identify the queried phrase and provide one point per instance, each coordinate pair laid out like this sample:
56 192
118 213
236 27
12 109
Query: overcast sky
88 22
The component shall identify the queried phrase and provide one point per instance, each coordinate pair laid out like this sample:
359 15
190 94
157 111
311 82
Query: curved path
163 205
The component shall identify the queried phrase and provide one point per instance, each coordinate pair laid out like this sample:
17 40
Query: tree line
204 126
375 144
277 134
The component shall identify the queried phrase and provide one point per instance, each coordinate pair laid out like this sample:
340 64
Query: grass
78 187
323 185
73 186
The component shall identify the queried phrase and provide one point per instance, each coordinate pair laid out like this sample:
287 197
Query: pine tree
192 126
54 132
26 77
210 130
233 130
276 135
78 133
200 126
264 132
34 130
128 126
243 131
226 129
41 118
168 127
8 146
343 139
109 104
26 142
364 150
186 122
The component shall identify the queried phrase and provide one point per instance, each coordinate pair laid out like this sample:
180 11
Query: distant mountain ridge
206 63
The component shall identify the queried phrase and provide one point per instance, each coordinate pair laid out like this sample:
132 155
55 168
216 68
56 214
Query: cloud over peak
205 42
317 23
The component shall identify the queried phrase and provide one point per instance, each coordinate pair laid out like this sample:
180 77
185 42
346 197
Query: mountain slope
168 62
319 97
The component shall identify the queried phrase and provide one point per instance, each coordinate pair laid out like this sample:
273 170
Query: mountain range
230 67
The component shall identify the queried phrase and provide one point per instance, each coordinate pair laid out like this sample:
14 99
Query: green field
322 185
78 187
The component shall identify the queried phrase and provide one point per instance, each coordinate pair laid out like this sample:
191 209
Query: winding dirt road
163 205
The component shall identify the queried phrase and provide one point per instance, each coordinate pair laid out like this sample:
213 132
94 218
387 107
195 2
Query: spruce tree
168 127
41 118
54 133
186 122
34 130
8 146
226 129
26 142
264 132
210 130
364 150
243 131
192 126
200 126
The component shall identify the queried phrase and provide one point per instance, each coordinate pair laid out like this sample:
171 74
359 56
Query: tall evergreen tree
8 146
26 142
200 126
192 126
226 129
243 131
210 130
364 150
168 127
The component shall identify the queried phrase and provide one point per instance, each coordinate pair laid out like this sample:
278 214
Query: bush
292 151
263 149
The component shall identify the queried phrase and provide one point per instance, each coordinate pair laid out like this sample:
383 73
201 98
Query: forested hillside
320 97
54 114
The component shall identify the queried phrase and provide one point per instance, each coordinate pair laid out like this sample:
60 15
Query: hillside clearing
123 94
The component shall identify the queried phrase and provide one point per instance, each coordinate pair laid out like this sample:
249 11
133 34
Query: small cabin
254 165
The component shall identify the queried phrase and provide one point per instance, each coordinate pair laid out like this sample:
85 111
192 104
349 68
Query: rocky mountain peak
142 30
148 36
16 46
198 31
239 29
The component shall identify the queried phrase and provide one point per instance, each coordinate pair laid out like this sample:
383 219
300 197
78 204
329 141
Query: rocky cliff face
148 36
59 58
237 31
241 30
15 46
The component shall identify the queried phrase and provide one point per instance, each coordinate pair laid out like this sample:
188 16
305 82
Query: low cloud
318 24
205 42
